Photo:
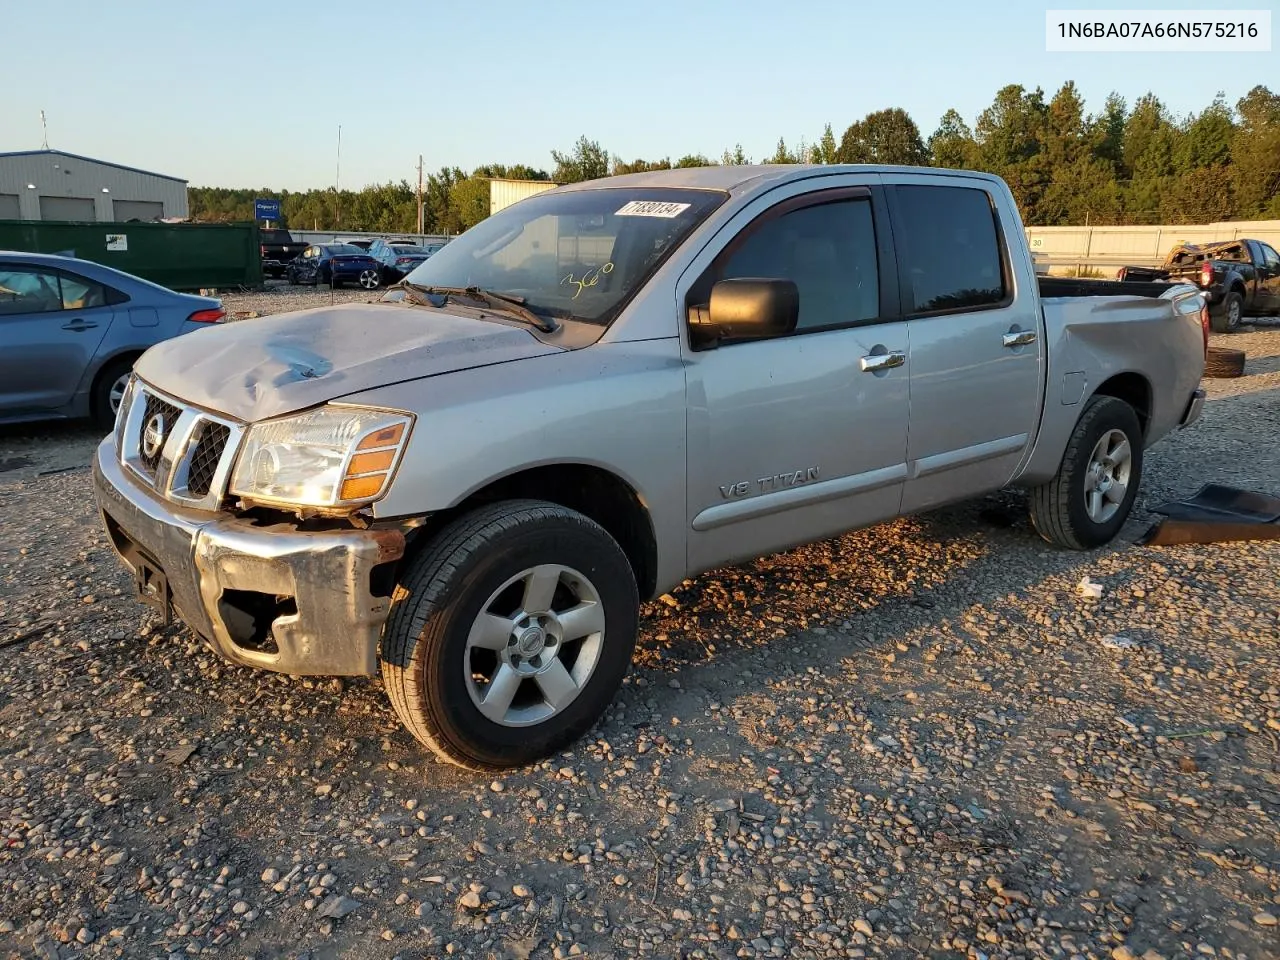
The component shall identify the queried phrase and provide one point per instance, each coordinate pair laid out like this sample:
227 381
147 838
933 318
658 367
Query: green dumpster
180 256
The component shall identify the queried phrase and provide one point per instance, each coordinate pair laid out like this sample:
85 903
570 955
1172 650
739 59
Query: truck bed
1083 287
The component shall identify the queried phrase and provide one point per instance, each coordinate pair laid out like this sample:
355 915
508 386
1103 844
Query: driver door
803 436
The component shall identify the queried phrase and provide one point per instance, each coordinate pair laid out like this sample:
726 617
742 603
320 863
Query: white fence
1103 247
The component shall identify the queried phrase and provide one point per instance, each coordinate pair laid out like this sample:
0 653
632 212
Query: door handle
1018 338
78 326
882 361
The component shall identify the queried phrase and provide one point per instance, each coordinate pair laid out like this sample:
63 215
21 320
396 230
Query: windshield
579 254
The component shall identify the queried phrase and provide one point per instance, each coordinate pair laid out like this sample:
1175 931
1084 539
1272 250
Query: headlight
333 456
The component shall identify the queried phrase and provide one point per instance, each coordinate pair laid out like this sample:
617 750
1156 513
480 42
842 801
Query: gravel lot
914 741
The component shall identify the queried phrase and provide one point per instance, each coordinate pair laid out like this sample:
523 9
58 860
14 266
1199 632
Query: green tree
1202 195
1010 135
1108 132
782 154
886 136
736 157
1255 154
952 144
1206 138
825 151
516 171
1081 185
639 166
586 161
442 215
694 160
470 197
1150 140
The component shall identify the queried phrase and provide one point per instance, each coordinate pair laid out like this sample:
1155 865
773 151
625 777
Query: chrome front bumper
273 597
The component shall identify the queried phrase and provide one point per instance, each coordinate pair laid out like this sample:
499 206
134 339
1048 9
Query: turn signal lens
378 462
369 471
386 437
362 488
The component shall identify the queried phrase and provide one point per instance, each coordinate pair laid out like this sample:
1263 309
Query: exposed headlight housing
332 457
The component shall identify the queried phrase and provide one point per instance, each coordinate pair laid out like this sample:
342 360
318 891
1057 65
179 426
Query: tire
104 399
1224 363
1059 511
1226 319
475 567
370 279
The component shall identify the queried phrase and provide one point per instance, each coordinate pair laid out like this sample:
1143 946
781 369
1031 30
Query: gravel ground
918 741
281 297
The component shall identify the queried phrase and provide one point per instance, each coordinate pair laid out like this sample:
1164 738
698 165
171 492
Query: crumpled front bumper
274 597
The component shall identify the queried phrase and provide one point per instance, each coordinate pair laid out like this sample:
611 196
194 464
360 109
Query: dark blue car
71 329
336 264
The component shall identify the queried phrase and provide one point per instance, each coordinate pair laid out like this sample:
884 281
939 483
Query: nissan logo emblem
153 436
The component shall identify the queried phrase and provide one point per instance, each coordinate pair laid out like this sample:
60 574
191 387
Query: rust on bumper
273 597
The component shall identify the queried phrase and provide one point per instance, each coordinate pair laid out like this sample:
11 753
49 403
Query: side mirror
746 309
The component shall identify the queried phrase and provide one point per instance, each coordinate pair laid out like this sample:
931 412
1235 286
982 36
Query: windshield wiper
496 301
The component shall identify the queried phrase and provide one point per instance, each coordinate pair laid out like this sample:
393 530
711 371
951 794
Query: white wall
1139 246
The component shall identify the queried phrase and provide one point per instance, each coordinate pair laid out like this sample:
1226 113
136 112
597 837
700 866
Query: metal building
503 192
52 185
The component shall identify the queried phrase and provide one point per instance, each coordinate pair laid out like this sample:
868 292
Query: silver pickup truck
469 485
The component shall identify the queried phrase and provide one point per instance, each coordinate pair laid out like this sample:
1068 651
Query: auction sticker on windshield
652 208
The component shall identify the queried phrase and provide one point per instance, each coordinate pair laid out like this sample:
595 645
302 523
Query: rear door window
950 252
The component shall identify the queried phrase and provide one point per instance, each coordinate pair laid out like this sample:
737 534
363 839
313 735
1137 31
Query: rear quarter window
950 254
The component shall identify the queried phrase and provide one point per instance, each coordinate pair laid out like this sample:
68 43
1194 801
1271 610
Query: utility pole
44 127
337 170
421 225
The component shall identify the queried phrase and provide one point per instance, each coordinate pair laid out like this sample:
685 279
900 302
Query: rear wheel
510 634
370 279
1227 318
1087 503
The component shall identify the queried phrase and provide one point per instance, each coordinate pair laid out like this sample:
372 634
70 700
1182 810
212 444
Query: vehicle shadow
1255 366
30 450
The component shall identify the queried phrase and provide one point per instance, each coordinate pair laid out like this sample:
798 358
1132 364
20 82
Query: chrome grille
205 457
181 452
168 414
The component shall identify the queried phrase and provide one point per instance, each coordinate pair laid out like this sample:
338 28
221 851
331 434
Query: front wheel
1087 503
509 634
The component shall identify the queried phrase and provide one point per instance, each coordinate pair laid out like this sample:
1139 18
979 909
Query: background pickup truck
277 248
1241 278
606 389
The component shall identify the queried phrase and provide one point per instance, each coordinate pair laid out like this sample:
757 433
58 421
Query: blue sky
252 94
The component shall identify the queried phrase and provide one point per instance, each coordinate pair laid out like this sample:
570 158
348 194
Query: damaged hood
256 369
